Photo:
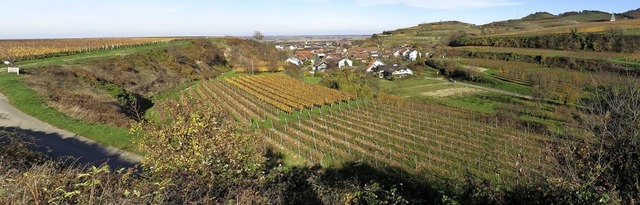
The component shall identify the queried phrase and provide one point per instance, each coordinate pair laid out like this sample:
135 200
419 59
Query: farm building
373 65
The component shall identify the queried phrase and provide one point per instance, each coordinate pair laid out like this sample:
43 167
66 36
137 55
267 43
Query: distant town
319 56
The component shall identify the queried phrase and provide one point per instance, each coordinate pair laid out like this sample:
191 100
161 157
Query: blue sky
121 18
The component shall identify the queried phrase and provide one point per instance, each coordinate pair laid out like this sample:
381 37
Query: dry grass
102 91
452 91
63 90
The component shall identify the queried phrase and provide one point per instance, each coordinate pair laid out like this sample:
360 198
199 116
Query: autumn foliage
289 94
17 50
202 151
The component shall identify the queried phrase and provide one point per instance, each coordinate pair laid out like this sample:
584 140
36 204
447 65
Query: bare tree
604 166
258 36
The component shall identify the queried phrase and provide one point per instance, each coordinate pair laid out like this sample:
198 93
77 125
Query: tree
542 85
604 167
351 80
457 39
258 36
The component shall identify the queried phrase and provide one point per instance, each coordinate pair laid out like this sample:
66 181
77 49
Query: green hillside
533 22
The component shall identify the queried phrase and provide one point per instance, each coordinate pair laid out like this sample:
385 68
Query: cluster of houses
326 55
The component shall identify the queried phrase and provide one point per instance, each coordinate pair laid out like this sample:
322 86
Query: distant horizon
41 19
266 36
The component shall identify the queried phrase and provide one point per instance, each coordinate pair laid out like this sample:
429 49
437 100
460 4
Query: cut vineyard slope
438 143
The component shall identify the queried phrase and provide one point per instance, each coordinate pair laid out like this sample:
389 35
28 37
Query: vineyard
511 71
289 94
428 141
633 57
526 73
591 27
17 50
553 83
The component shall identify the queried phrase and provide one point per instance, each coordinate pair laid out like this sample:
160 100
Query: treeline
250 56
613 40
557 61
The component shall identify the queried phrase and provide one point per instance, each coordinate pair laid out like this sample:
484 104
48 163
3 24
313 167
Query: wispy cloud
442 4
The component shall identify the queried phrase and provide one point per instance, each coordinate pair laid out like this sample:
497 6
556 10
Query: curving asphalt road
61 143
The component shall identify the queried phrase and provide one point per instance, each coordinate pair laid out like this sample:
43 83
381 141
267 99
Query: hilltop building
613 17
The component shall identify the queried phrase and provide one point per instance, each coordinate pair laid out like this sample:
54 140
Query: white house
403 72
294 61
393 71
321 66
400 52
345 62
373 65
412 55
374 54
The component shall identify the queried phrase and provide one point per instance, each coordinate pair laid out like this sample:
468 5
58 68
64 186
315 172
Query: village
320 56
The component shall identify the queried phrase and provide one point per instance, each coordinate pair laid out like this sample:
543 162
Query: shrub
203 152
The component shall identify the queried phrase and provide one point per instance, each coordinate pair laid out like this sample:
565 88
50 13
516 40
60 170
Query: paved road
60 143
528 97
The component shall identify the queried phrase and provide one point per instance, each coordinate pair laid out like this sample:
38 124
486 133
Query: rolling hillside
540 22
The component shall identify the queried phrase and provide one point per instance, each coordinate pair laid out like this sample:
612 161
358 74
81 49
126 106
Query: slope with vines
429 141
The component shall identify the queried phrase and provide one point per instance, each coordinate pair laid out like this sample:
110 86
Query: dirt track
59 143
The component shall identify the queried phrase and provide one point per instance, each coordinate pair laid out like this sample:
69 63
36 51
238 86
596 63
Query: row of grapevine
429 141
18 50
288 94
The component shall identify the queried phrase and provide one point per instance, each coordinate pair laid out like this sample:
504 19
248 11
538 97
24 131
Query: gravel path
60 143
